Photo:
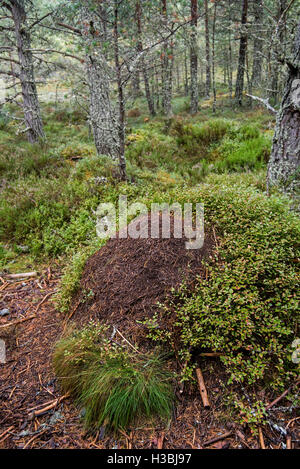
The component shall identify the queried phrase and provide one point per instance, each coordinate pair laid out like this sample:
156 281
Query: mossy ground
49 193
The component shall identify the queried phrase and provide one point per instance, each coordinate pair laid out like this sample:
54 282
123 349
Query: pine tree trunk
283 168
239 87
277 42
103 117
167 68
207 52
31 107
194 57
149 96
257 43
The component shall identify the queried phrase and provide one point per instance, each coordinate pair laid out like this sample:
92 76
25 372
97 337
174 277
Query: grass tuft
113 385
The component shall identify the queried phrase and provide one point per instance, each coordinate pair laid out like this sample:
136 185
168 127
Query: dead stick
217 438
36 413
211 354
160 441
202 389
261 438
33 438
289 442
44 299
25 274
19 321
6 431
282 395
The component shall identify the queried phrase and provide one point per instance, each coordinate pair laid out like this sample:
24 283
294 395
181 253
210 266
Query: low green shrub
248 308
113 384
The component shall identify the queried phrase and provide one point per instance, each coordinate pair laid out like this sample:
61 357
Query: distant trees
18 38
125 49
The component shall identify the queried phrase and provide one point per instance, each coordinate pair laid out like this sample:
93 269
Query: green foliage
113 384
248 308
72 274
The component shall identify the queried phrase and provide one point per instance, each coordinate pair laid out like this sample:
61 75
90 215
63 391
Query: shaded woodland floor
28 385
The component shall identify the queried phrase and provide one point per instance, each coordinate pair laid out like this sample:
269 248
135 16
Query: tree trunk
194 57
31 107
239 87
213 58
207 51
149 96
277 43
121 121
257 43
102 115
167 68
283 168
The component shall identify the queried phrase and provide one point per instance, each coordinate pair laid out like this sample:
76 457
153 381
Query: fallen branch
282 395
211 354
25 274
261 438
217 438
19 321
265 102
44 410
202 389
44 299
5 432
160 441
289 442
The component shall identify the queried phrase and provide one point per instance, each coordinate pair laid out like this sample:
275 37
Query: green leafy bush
113 384
248 308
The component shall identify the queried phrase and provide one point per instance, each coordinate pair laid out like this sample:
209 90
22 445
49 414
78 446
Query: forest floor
34 414
48 198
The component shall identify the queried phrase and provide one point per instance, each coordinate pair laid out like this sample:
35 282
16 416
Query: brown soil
125 280
134 275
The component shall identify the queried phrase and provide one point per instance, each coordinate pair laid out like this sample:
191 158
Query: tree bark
102 115
239 87
149 96
194 57
277 43
207 52
257 43
283 167
31 107
167 68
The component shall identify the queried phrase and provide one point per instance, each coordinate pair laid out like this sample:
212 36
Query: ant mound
124 281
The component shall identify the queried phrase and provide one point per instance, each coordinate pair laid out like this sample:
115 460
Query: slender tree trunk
239 87
31 107
121 123
149 96
207 51
102 114
167 70
277 42
284 163
186 78
230 81
257 43
194 57
213 58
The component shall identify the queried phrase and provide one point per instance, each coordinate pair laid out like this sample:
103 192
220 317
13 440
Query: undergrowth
115 385
248 308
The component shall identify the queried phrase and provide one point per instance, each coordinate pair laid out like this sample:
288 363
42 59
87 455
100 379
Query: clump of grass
113 384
